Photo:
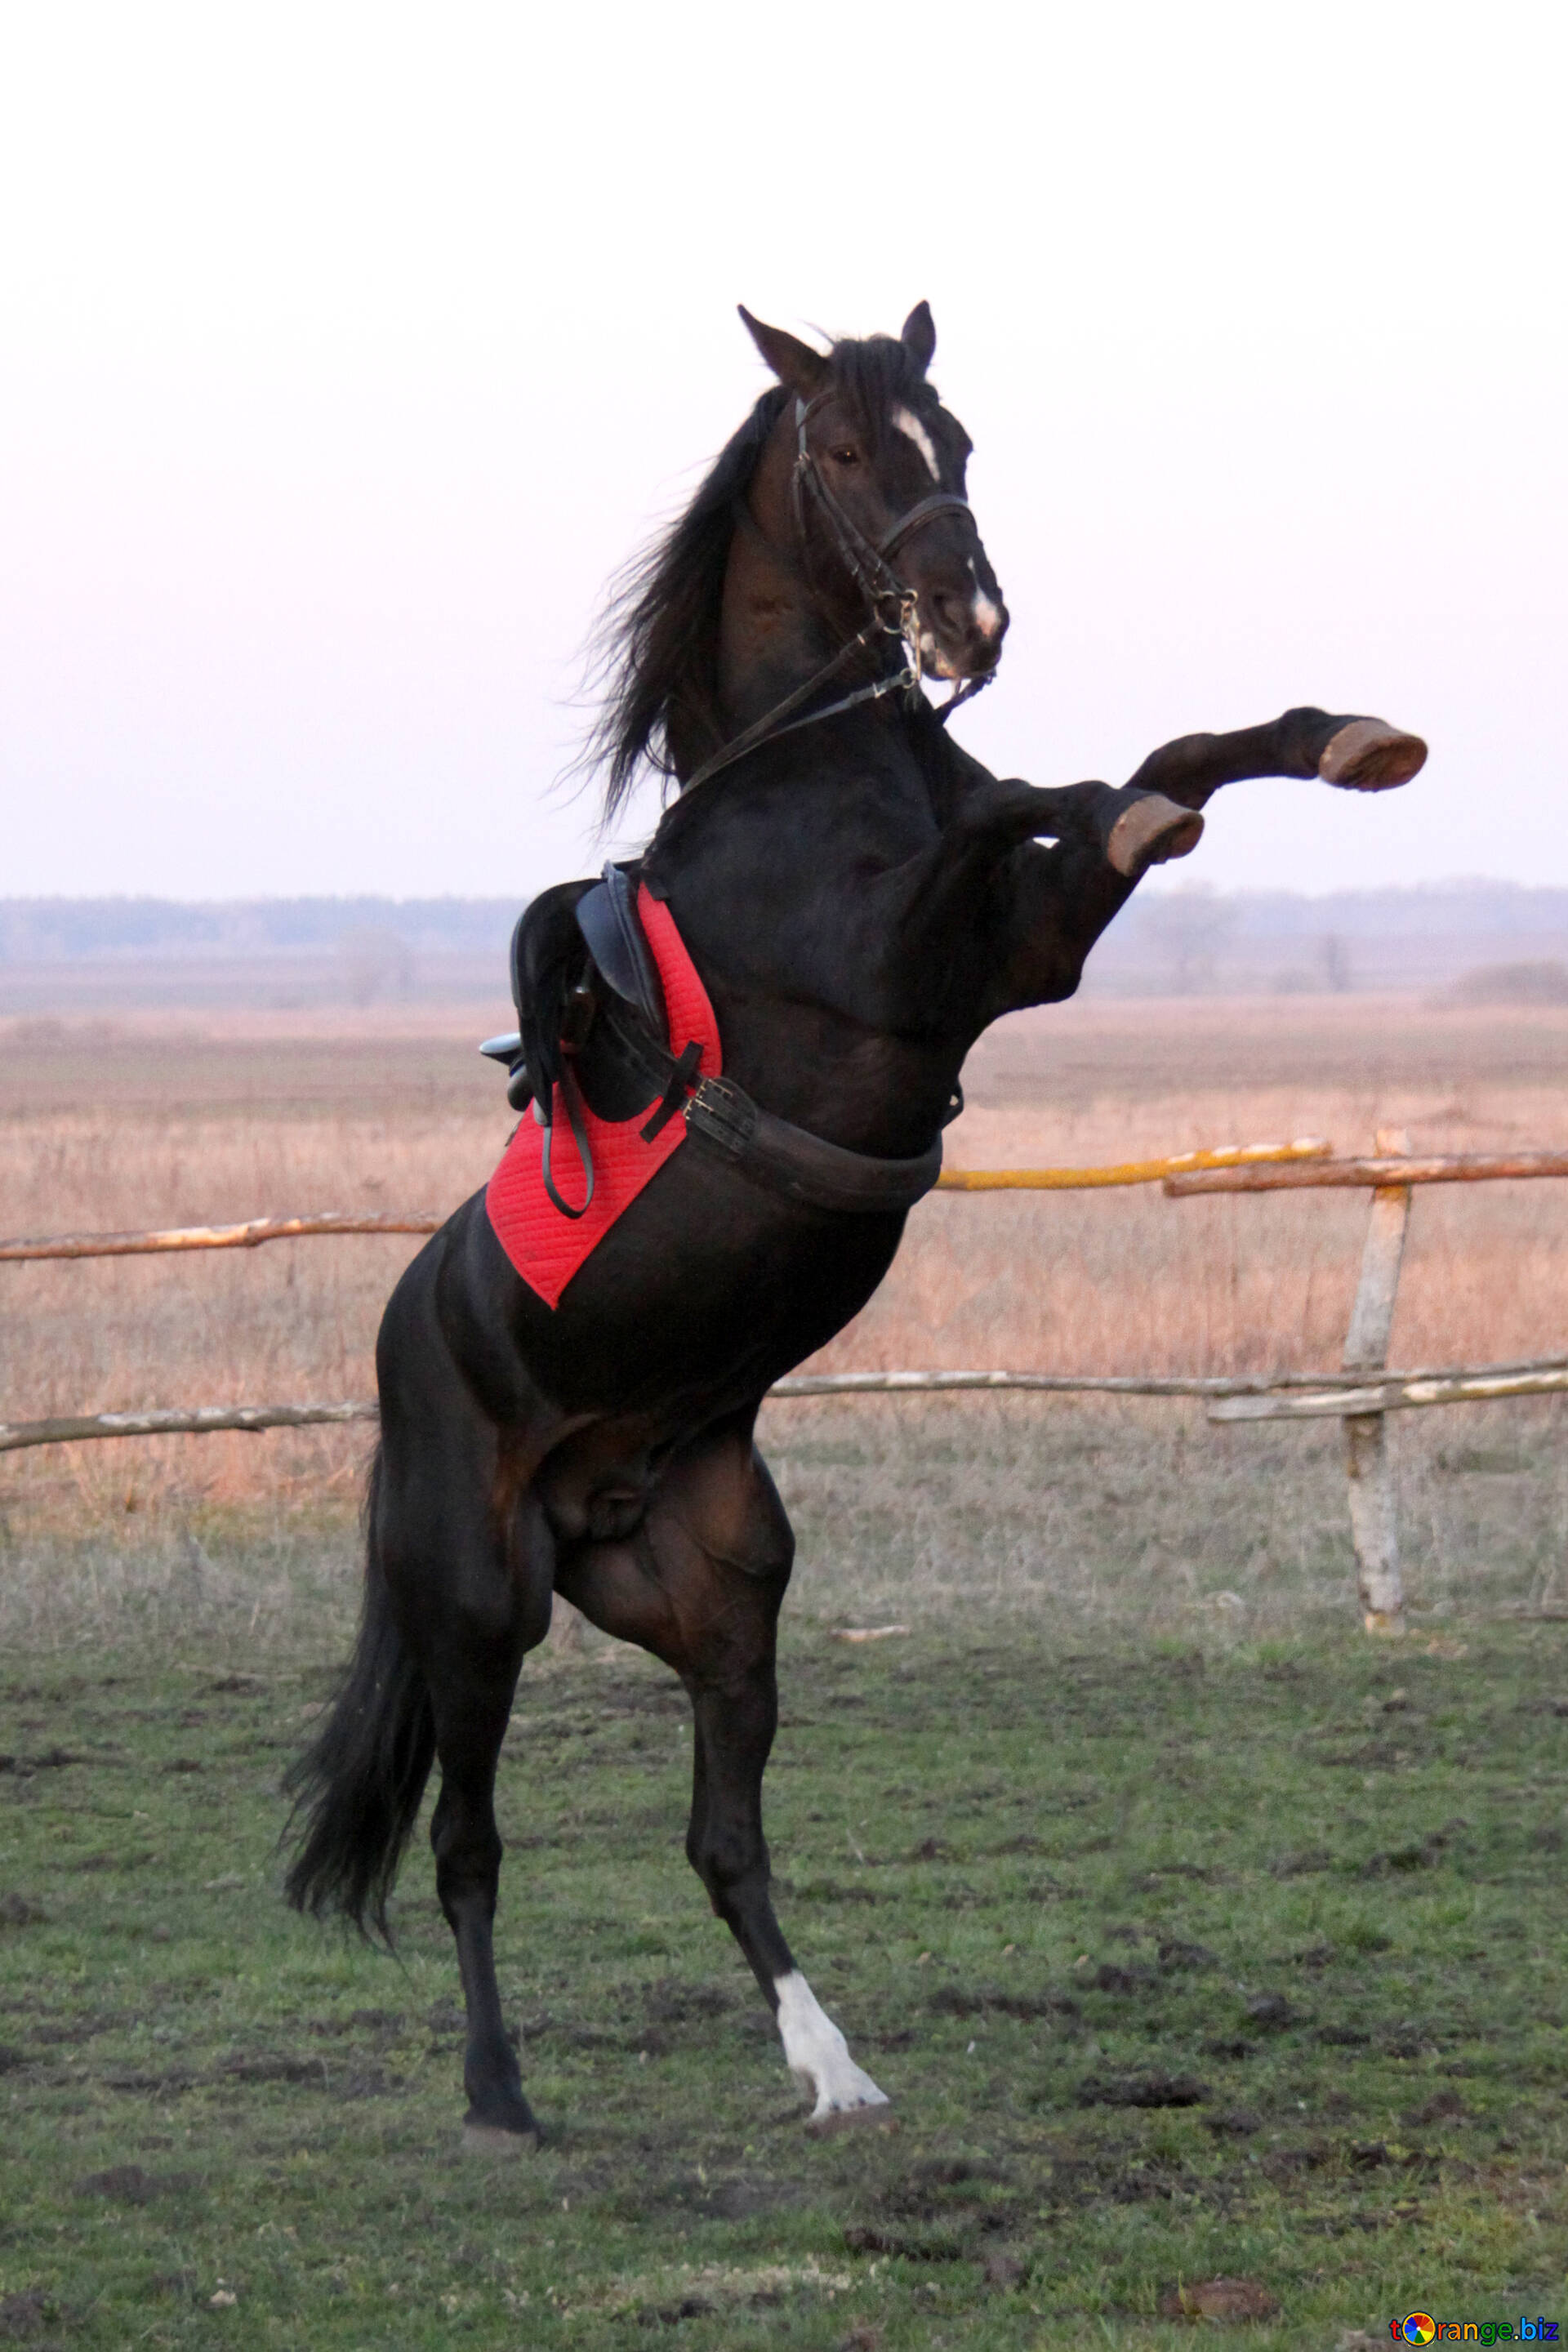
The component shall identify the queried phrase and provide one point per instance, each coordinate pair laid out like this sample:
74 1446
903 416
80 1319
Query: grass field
1244 1960
1194 1936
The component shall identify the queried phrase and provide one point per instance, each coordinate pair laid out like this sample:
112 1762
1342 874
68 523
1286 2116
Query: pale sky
346 349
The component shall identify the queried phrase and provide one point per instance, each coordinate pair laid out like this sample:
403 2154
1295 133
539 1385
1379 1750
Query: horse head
878 484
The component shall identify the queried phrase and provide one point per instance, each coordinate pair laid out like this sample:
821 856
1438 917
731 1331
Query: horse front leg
700 1584
1110 833
1358 755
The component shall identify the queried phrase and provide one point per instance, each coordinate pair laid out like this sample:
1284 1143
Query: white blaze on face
817 2054
909 423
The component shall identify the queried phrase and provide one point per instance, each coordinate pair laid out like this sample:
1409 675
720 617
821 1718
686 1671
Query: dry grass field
165 1120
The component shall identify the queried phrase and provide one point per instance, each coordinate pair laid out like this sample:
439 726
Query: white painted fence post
1374 1525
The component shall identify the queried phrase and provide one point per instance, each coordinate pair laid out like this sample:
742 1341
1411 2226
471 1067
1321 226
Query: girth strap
772 1151
805 1167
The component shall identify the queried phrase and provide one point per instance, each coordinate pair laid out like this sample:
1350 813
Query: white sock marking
909 422
817 2054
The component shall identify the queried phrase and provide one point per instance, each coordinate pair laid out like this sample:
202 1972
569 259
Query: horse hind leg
700 1584
504 1612
734 1725
473 1571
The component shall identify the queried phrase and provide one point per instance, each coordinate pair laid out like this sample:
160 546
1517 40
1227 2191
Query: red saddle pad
546 1247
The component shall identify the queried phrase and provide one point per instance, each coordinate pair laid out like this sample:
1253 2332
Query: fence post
1374 1525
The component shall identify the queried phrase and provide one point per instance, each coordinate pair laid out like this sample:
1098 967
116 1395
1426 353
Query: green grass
1023 1880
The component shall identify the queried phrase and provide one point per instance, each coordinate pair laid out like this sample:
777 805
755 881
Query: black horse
861 899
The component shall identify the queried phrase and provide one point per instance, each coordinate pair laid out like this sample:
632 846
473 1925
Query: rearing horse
859 898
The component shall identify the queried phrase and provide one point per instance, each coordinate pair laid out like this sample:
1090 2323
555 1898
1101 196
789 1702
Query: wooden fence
1361 1395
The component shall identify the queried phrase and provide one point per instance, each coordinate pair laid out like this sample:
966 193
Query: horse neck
774 629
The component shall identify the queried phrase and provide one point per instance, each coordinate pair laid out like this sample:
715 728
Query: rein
895 609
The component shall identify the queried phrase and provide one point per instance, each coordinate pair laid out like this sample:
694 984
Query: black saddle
592 1021
573 948
608 919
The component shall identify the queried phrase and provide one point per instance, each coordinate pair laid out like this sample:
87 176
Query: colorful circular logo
1417 2328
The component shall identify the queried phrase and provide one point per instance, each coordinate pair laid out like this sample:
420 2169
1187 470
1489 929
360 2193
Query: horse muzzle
960 631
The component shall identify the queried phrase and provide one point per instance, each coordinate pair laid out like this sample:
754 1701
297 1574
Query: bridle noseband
895 608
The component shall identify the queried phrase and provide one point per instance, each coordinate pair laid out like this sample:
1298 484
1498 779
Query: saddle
593 1022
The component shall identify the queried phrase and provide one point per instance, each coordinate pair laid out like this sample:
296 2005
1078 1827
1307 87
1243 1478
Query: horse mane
656 650
654 657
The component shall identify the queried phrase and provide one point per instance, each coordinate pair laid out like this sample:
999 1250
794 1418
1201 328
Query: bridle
895 608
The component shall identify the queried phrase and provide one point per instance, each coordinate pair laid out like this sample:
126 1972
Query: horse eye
845 456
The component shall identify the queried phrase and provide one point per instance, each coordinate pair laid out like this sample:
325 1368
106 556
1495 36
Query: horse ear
919 337
793 362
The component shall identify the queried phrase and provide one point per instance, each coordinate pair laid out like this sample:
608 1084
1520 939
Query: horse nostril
968 613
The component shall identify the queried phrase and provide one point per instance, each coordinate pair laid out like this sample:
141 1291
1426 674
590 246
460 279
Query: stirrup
508 1048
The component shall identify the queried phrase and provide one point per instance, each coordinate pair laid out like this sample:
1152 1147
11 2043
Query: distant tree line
54 931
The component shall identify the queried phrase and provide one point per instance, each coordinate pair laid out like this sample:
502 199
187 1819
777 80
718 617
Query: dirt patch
908 2245
1272 2012
988 2001
1232 2299
1235 2123
122 2184
21 2315
1177 1956
1151 2090
830 1890
1305 1865
1443 2106
1110 1977
274 2066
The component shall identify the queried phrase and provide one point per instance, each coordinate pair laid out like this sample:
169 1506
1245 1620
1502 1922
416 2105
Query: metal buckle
718 1109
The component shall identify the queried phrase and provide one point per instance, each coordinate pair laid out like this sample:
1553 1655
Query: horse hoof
1150 831
1371 756
842 2119
499 2139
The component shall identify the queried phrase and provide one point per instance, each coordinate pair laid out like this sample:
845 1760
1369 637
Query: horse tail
357 1788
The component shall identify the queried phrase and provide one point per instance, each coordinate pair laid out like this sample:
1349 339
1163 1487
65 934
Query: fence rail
249 1235
200 1421
1132 1172
1242 1396
257 1230
1436 1168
